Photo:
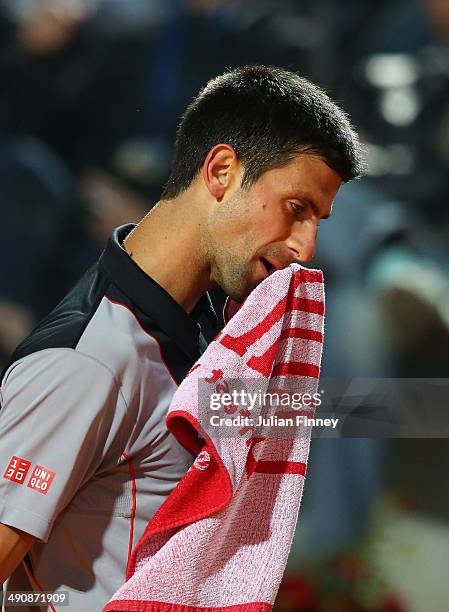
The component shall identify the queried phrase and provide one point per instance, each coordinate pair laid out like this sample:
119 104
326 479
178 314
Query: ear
220 170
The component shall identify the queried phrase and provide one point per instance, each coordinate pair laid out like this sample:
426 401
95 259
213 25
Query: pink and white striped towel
220 541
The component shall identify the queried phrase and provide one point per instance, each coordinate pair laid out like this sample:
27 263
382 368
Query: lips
269 266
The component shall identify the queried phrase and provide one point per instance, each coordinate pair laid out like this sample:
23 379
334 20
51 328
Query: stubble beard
232 275
228 269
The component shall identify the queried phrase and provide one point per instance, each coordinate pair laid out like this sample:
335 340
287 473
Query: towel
220 541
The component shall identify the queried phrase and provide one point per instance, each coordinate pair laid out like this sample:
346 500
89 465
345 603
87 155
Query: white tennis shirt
85 456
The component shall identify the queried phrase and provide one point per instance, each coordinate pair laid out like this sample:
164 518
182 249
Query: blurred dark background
90 96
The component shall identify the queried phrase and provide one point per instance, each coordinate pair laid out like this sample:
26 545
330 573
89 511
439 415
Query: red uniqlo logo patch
41 479
17 469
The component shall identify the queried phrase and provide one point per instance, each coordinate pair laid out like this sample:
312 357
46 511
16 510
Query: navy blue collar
153 299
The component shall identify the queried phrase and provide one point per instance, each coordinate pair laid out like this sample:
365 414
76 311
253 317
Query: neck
167 246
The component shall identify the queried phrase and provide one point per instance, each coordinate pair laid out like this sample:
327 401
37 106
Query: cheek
273 226
237 228
231 215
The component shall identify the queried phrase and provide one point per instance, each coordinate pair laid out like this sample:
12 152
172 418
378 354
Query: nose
302 240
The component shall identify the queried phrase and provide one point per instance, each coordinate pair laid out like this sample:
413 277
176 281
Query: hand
14 545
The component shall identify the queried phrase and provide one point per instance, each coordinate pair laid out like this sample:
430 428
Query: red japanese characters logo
41 479
17 469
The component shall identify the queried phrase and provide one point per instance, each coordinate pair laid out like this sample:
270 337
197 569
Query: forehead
306 174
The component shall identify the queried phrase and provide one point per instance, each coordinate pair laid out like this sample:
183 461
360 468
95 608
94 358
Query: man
85 455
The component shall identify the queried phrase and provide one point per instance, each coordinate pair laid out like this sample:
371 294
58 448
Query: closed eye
297 208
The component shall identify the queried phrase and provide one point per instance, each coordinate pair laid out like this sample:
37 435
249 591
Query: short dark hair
268 115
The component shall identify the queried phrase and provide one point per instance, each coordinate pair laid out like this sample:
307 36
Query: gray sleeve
62 415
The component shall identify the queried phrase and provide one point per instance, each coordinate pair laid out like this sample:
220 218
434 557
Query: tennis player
85 456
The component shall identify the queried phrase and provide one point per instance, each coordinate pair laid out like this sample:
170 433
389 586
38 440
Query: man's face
270 225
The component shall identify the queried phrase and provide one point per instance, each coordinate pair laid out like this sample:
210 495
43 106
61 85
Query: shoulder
53 367
65 324
95 320
117 337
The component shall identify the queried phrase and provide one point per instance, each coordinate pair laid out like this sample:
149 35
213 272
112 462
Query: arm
62 413
14 544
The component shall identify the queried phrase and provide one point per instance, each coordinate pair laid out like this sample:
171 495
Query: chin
238 295
238 285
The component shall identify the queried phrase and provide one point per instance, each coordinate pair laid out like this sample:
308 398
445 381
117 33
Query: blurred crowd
90 95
